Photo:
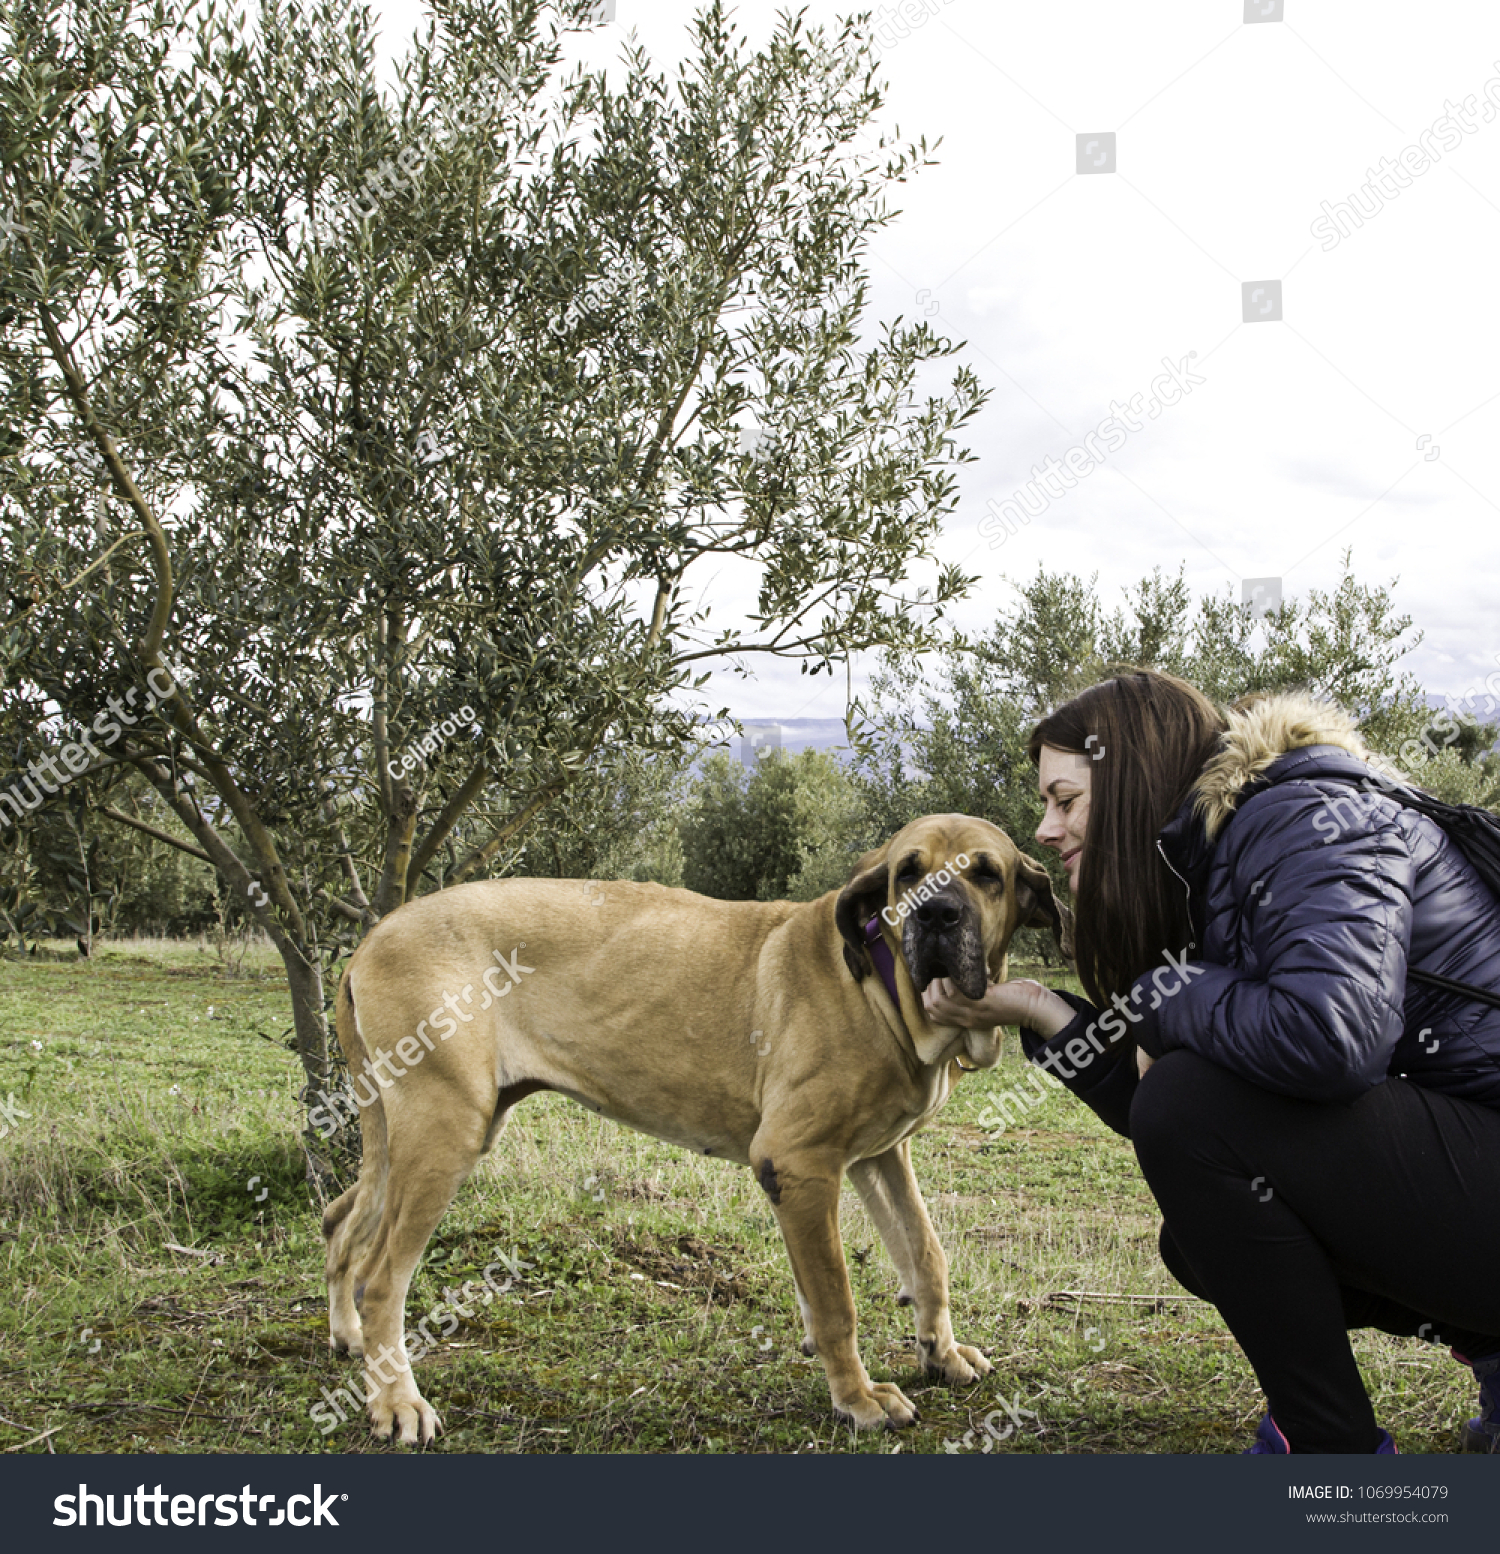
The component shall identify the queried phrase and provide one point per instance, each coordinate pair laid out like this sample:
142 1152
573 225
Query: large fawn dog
751 1031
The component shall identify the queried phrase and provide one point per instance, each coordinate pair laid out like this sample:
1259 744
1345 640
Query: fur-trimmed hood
1259 732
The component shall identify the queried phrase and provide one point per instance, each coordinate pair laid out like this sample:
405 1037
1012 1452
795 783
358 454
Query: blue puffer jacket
1309 909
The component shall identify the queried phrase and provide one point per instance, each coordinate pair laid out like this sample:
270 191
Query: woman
1321 1134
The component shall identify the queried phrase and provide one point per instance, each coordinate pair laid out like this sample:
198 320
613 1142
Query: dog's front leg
888 1187
803 1188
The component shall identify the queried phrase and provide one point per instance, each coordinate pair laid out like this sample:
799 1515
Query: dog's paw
883 1405
411 1419
958 1366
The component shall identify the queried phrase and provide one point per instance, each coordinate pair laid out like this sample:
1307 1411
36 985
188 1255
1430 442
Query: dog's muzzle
941 939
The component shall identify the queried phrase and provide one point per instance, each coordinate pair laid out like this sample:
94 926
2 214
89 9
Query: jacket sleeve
1099 1068
1322 915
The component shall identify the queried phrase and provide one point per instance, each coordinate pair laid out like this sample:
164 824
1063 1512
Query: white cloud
1306 437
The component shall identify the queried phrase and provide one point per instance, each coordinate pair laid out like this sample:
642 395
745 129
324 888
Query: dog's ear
1038 904
860 899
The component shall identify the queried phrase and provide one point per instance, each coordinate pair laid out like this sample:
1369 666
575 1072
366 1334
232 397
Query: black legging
1302 1219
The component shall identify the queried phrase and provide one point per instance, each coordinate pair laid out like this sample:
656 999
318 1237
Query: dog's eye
907 871
984 875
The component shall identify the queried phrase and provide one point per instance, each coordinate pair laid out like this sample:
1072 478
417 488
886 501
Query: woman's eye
1066 804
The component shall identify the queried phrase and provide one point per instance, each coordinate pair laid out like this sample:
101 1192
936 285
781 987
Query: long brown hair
1146 736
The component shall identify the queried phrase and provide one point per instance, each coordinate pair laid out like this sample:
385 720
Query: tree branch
87 572
225 860
517 823
355 914
161 836
447 818
366 916
150 646
175 709
401 813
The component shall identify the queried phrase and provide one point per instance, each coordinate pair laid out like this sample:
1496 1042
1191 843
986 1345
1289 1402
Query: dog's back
638 1001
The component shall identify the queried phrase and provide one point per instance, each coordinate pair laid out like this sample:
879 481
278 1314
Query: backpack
1475 832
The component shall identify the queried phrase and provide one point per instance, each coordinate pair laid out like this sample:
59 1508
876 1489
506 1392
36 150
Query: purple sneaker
1270 1442
1483 1434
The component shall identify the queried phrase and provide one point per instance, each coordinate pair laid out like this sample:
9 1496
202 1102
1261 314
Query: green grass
657 1313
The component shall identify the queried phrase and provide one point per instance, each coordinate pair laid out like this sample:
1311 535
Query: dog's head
951 890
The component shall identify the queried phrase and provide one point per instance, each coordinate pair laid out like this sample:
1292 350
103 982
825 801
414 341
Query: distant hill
792 735
796 734
1477 706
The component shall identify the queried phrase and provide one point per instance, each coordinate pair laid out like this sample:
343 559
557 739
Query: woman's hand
1022 1002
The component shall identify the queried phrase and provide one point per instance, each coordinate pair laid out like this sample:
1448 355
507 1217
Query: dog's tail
368 1195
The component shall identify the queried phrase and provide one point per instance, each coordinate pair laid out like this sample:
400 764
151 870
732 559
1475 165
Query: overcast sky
1365 416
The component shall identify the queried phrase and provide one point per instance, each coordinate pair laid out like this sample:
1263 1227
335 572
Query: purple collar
885 962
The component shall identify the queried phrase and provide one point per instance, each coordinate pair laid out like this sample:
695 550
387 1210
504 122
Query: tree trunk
304 975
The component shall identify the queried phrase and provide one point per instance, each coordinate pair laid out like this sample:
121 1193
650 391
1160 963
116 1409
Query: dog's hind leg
344 1335
888 1188
352 1219
427 1167
350 1223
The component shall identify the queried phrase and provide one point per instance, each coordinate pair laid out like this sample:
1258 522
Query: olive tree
363 449
790 828
949 731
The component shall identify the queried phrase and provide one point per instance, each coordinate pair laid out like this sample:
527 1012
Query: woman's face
1065 779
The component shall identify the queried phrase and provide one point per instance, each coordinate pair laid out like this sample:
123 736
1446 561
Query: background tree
788 829
137 882
618 819
949 732
365 413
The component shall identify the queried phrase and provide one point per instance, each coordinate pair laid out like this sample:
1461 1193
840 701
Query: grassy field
656 1313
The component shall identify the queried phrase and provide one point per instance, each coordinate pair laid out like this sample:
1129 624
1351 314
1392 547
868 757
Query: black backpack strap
1460 989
